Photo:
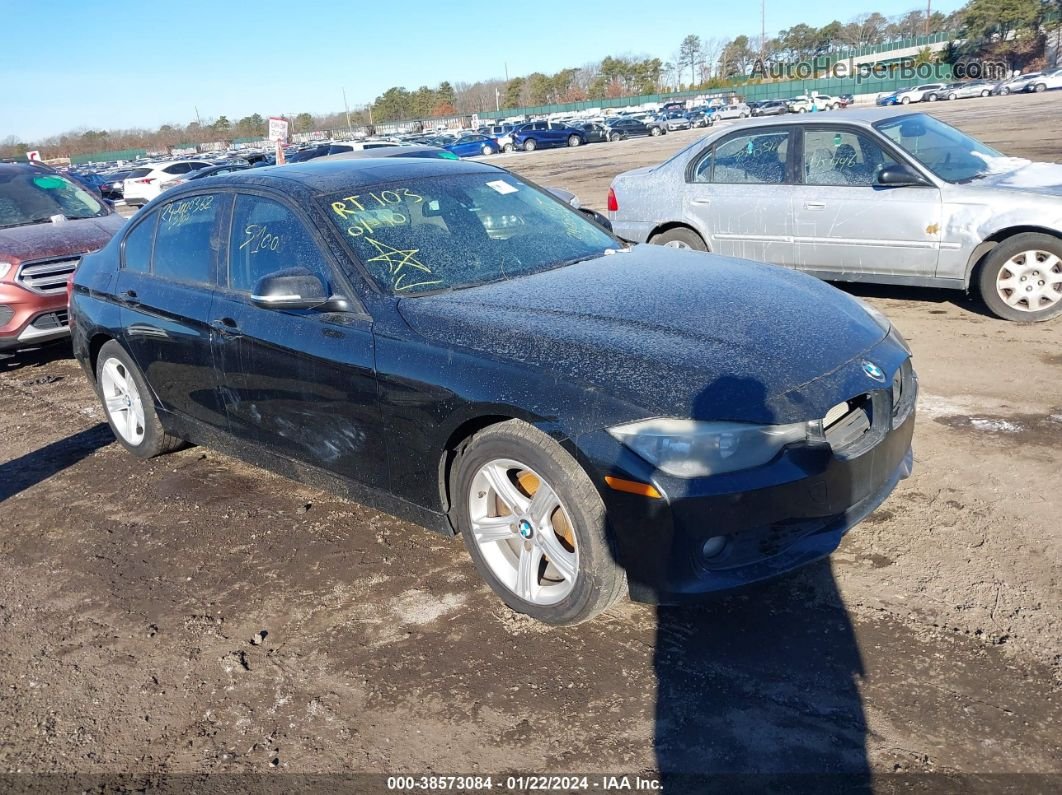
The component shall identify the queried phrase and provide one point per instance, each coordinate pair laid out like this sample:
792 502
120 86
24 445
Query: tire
680 237
575 573
953 96
1028 260
1040 87
931 98
905 101
573 140
508 148
986 93
1004 91
135 424
802 110
655 131
530 145
616 136
487 151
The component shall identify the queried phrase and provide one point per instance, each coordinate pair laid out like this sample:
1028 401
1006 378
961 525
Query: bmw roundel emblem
873 371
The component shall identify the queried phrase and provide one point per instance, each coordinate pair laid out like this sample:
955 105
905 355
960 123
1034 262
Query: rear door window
187 242
755 158
136 251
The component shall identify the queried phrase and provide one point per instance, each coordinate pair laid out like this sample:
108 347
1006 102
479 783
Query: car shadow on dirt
932 297
32 468
760 684
35 357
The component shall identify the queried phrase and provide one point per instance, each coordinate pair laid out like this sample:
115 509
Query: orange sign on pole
280 153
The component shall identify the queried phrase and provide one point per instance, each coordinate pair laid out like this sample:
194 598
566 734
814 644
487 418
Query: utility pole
346 107
929 11
497 98
763 29
197 119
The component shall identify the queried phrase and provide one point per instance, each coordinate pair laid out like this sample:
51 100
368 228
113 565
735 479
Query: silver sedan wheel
677 244
523 531
1030 281
122 401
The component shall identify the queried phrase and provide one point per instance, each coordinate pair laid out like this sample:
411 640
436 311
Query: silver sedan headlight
694 449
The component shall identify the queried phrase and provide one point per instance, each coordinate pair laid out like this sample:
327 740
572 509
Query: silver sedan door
737 195
846 225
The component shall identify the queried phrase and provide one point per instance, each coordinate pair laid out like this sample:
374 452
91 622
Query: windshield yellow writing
405 270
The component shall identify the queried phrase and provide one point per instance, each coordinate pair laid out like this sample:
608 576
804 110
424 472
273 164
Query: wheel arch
96 342
667 227
984 248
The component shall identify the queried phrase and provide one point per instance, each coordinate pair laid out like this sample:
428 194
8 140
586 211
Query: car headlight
694 449
4 268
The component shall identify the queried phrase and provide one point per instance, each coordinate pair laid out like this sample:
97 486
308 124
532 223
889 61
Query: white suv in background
146 182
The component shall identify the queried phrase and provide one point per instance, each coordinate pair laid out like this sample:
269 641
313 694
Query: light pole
497 98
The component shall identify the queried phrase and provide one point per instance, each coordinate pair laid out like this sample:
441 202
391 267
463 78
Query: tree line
1008 30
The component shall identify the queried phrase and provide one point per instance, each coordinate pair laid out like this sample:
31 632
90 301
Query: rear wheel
573 140
680 237
905 101
986 93
530 145
508 148
953 95
932 98
615 136
1040 87
534 525
487 150
127 403
656 131
1021 278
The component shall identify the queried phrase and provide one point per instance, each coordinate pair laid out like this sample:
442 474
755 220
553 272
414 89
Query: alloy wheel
122 401
523 531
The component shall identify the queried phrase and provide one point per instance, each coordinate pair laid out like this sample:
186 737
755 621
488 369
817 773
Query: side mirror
901 176
294 289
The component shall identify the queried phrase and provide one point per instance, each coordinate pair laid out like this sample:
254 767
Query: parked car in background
473 145
626 127
927 92
675 121
1016 84
770 107
146 182
114 186
804 103
967 89
846 100
876 197
47 223
474 355
545 134
593 132
357 146
210 171
410 150
738 110
700 117
307 153
1044 81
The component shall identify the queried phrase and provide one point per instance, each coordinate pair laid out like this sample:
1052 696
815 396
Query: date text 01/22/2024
530 783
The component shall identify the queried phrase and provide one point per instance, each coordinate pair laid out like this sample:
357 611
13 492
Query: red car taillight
145 180
613 205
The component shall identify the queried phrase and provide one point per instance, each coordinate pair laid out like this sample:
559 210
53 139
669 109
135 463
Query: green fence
107 157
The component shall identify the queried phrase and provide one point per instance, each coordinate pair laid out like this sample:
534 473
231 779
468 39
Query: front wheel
1021 278
573 140
127 403
656 131
1004 91
530 145
1040 87
534 525
508 148
953 96
932 98
487 150
680 237
905 101
615 136
986 93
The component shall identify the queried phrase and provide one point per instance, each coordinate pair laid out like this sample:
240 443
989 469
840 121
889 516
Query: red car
47 222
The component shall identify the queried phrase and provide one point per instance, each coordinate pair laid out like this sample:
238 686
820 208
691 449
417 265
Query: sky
70 64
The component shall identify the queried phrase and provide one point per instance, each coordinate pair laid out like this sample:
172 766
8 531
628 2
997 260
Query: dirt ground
194 614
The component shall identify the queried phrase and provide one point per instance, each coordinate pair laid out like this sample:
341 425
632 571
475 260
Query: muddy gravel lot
194 614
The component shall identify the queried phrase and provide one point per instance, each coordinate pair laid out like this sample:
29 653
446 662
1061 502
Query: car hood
1031 177
674 333
40 241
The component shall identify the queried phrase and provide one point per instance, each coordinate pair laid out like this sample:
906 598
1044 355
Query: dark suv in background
47 222
544 134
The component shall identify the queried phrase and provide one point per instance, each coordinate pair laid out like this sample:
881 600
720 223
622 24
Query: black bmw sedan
454 345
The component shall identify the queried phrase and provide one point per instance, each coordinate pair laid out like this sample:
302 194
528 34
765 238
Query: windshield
36 197
447 233
950 154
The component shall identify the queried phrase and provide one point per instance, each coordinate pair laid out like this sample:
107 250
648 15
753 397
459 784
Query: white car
804 102
1044 81
146 182
929 92
358 146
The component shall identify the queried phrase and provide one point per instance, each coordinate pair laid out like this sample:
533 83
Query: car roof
329 175
861 116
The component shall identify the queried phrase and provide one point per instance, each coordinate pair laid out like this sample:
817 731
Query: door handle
128 297
814 205
700 201
226 326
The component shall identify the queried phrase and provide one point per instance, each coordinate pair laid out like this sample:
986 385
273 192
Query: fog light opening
714 547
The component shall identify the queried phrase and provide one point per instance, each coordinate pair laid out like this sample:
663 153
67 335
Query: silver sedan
874 196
